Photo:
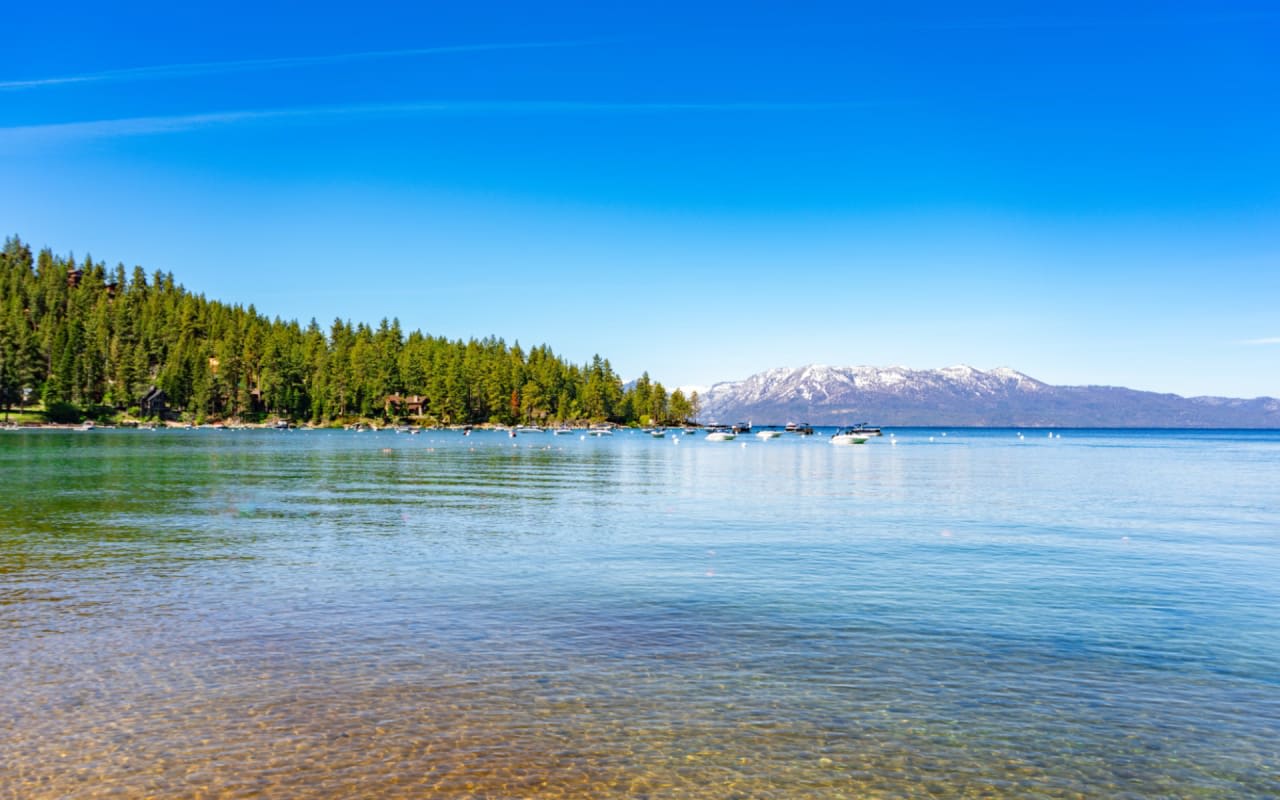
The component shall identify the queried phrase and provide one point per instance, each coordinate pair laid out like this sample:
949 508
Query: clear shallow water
321 614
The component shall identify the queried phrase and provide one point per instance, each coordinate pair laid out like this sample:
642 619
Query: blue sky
1089 193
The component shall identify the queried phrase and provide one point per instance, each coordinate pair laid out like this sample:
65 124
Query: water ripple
320 614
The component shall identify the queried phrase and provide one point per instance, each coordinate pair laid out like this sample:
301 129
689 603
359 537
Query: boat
721 433
529 429
865 429
800 428
658 433
562 430
767 435
848 436
601 431
86 426
742 427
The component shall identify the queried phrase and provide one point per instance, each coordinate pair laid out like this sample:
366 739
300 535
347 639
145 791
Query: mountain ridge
963 395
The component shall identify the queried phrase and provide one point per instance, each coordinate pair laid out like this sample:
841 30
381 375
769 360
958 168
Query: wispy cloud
134 126
1266 340
143 126
160 71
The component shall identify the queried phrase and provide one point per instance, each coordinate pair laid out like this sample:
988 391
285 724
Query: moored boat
845 436
721 433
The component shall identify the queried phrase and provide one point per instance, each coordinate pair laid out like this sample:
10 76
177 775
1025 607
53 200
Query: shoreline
579 426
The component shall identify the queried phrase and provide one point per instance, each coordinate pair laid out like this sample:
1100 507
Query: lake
940 613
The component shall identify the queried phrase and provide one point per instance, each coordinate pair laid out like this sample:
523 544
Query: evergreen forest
79 339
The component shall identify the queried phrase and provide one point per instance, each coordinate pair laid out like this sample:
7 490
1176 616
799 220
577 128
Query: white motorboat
721 436
562 431
848 436
767 435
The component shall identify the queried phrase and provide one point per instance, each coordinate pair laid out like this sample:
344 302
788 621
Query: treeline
77 335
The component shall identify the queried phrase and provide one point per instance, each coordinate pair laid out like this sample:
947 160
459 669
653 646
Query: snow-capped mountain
962 395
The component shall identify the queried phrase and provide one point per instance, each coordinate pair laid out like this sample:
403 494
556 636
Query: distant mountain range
963 395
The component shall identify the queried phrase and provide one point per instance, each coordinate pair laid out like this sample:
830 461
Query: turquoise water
321 614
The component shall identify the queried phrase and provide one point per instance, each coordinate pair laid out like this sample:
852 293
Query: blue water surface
940 612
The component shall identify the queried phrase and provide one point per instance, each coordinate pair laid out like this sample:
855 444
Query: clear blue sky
1088 193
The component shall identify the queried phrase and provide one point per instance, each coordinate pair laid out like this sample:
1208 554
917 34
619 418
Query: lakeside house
154 403
413 405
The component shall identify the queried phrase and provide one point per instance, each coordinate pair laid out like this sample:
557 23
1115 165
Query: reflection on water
321 614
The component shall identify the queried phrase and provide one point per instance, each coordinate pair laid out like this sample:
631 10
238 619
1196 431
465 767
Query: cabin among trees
74 332
153 403
414 405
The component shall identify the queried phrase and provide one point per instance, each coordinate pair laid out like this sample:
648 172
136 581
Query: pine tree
74 332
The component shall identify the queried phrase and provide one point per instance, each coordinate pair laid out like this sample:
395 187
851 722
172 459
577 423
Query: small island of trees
78 339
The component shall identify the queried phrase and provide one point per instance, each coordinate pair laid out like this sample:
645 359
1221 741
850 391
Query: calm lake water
333 614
